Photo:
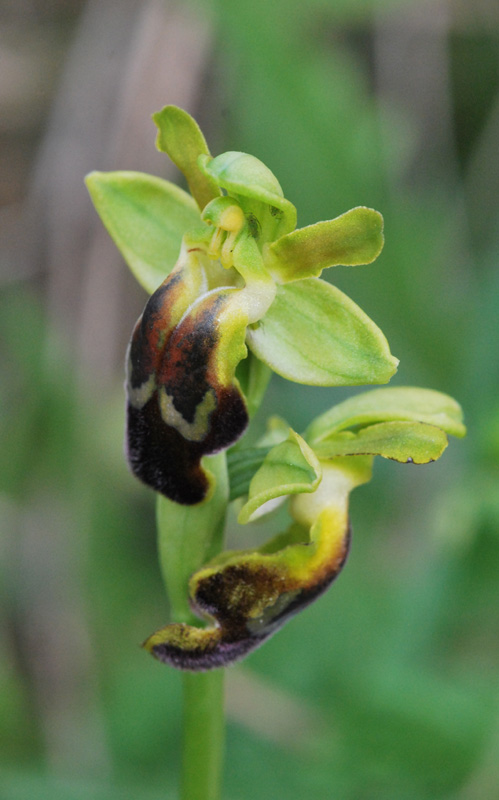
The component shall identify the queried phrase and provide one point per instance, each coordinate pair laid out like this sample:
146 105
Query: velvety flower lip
237 632
247 596
183 401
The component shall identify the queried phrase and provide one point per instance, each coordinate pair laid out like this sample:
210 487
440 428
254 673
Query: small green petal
257 189
314 334
180 137
242 464
353 238
290 468
401 403
146 217
414 442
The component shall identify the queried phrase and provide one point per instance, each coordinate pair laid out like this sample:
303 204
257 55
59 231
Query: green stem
203 739
188 536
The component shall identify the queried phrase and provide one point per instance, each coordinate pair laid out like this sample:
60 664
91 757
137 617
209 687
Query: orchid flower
235 294
244 278
247 595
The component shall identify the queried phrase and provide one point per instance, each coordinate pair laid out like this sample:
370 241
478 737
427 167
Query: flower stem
188 536
203 738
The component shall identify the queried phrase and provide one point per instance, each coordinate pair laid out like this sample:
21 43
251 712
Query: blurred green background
388 687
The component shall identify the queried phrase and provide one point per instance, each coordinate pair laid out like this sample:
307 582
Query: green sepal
314 334
401 403
414 442
289 468
256 188
355 237
188 536
180 137
146 217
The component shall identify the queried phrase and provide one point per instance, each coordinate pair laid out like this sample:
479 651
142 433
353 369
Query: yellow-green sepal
146 217
289 468
401 403
316 335
353 238
180 137
408 442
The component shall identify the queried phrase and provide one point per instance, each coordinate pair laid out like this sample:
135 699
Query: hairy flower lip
183 400
232 635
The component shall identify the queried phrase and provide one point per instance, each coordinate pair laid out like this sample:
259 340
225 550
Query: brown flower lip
228 596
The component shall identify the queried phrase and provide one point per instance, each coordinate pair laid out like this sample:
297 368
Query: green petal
353 238
314 334
290 468
257 189
180 137
414 442
146 217
402 403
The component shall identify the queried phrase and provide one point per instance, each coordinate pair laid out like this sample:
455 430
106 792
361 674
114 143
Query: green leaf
180 137
401 403
353 238
146 217
290 468
414 442
188 536
314 334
